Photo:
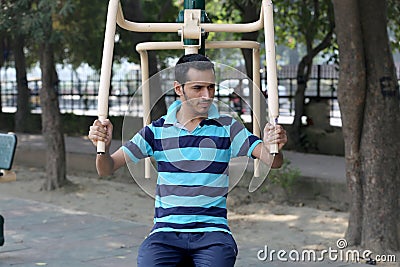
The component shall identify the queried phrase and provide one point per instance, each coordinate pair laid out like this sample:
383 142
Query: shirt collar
173 109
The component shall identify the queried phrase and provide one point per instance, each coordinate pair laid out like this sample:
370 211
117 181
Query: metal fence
80 96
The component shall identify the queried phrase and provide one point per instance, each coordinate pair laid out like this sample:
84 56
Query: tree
298 23
23 104
3 49
85 33
309 23
11 13
249 11
45 14
368 95
244 11
160 12
394 22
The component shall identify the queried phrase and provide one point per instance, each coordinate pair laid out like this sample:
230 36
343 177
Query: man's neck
187 119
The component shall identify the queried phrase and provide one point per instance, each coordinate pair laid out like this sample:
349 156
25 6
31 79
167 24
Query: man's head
195 83
195 61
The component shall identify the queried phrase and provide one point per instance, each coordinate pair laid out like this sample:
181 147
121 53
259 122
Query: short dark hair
196 61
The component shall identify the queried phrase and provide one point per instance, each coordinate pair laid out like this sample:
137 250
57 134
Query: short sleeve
243 141
141 145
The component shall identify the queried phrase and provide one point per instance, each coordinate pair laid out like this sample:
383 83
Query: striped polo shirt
193 173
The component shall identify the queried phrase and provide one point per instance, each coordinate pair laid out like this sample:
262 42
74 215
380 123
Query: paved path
39 234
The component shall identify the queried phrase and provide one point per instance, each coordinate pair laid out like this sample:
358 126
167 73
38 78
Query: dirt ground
277 225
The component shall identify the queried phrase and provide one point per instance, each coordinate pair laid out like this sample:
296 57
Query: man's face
199 90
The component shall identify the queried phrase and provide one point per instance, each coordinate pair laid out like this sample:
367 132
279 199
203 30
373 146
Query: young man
192 145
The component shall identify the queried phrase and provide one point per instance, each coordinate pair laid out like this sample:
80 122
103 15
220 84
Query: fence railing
80 96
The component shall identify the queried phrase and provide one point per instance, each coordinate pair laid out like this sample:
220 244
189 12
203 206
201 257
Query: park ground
255 225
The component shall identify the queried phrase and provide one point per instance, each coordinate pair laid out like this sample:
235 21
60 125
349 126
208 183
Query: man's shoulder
223 120
159 122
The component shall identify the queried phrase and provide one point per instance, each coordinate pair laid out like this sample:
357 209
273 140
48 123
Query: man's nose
205 93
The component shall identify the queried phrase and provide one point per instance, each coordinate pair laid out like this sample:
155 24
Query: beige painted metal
106 64
192 28
209 45
272 81
142 48
256 102
144 62
191 50
175 27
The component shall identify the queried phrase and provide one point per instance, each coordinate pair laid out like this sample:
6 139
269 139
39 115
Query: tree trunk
369 101
23 105
305 65
51 122
380 147
351 96
303 75
250 12
3 47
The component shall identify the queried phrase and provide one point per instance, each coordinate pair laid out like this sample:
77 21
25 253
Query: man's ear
178 88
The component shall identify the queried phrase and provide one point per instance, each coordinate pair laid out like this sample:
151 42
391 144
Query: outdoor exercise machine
8 143
192 30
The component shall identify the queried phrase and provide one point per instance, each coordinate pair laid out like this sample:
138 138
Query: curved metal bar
175 27
146 46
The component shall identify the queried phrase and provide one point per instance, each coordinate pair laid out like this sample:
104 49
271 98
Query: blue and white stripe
193 175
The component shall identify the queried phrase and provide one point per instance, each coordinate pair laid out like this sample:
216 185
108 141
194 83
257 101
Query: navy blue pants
178 249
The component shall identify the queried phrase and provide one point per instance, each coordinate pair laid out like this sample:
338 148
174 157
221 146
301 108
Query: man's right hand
101 131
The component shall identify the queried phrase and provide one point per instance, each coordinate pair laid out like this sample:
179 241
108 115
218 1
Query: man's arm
262 153
272 135
107 164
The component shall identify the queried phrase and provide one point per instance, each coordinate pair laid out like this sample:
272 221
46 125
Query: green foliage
285 177
232 9
150 12
10 12
297 20
227 12
38 21
394 22
303 24
84 42
79 26
46 20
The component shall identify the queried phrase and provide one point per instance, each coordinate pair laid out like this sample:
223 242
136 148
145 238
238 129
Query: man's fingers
269 129
275 134
98 133
101 129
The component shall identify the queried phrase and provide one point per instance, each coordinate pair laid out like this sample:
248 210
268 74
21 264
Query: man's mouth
205 103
